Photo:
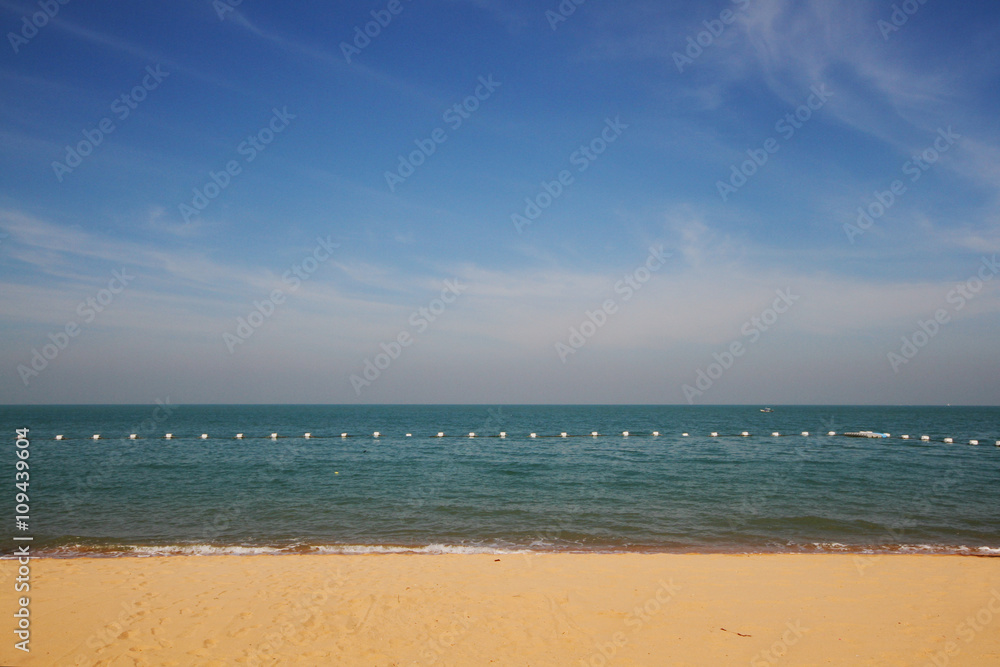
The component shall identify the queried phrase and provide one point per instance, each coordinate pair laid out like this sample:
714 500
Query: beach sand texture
510 609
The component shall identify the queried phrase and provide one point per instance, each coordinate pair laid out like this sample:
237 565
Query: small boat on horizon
766 410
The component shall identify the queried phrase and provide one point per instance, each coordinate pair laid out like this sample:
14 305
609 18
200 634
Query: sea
684 479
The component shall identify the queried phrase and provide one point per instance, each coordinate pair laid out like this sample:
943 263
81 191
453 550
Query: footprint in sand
317 654
242 631
140 649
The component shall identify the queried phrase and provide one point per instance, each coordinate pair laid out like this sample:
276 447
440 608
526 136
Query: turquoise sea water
669 492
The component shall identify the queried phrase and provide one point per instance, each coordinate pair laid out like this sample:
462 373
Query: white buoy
168 436
503 434
593 433
949 440
534 435
684 434
472 435
714 434
973 442
563 434
239 436
625 433
307 435
96 436
925 437
131 436
375 434
776 434
59 437
343 435
805 432
831 433
274 436
905 437
409 435
440 434
204 436
745 433
656 433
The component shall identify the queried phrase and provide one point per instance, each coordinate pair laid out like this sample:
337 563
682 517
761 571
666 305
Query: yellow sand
552 609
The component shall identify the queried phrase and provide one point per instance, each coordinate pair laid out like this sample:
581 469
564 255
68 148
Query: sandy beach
541 609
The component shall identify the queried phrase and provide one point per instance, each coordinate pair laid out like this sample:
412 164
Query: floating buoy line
563 434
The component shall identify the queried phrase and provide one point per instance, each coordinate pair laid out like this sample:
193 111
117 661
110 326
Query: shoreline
530 608
119 550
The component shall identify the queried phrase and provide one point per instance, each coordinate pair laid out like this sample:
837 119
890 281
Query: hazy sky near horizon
500 201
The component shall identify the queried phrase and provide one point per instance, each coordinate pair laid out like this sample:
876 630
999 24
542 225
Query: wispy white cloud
181 303
337 62
142 54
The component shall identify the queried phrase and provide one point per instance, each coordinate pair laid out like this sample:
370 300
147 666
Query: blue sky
622 124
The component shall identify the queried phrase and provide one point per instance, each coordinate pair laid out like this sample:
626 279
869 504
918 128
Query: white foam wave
428 549
537 546
202 550
877 549
244 550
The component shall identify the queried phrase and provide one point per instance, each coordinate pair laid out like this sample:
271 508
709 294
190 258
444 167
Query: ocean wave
535 547
427 549
148 551
888 549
